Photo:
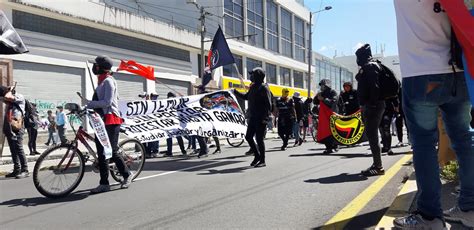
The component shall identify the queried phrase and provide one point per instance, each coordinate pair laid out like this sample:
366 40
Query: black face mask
252 78
96 70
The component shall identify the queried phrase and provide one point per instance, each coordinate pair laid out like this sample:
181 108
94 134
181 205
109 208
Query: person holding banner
429 84
169 141
259 109
328 96
105 101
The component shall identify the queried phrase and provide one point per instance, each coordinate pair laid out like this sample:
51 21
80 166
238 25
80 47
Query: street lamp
310 52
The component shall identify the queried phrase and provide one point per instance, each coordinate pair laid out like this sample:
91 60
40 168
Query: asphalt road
299 189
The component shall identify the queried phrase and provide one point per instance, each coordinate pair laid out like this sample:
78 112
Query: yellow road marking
340 220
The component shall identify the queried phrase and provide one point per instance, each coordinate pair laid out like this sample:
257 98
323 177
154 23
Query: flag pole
240 77
157 81
90 75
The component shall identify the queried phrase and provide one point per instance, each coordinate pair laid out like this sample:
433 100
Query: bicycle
57 173
235 142
313 126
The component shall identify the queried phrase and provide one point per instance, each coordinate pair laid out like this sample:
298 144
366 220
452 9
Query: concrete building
327 68
161 33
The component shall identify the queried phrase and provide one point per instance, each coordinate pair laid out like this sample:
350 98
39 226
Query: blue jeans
296 130
423 97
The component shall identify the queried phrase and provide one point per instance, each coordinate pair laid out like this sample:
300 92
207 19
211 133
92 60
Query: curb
401 205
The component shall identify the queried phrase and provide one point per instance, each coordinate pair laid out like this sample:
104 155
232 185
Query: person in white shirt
429 84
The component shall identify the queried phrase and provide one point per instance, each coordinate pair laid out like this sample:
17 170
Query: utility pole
310 48
203 34
310 53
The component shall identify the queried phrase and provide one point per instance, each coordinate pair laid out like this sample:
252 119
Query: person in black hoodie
259 109
371 104
348 102
328 96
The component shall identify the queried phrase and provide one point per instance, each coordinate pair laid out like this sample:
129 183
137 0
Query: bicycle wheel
235 142
133 154
58 171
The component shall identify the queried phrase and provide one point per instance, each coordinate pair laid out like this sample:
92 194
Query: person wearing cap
328 96
259 109
348 102
105 101
61 124
299 118
372 106
286 113
13 128
169 141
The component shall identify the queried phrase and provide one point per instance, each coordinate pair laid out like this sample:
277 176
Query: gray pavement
299 189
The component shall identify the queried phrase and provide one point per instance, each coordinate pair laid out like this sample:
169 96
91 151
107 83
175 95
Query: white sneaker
456 215
416 221
126 182
400 144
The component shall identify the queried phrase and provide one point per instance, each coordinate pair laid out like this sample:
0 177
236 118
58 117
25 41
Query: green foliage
450 171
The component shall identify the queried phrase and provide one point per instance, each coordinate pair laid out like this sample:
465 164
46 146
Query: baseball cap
296 94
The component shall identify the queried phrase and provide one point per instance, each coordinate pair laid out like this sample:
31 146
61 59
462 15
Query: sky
351 23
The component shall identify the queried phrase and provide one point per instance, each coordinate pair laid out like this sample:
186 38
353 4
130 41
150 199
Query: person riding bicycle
105 102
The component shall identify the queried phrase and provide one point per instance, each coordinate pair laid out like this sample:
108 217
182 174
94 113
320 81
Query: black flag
10 41
220 54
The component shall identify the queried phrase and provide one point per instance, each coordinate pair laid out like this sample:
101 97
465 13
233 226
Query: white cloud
323 48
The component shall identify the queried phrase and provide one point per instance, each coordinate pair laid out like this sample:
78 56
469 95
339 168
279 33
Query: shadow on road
341 178
226 171
188 166
35 201
342 155
364 221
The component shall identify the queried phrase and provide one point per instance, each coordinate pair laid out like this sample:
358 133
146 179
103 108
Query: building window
272 26
299 40
271 73
233 18
286 33
229 70
285 76
298 79
252 63
255 22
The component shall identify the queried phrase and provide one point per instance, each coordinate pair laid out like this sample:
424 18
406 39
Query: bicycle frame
80 136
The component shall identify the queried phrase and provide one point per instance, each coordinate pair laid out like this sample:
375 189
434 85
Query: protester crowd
430 84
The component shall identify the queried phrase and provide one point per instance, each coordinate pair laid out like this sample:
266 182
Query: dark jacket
368 88
260 102
298 108
330 98
348 102
286 109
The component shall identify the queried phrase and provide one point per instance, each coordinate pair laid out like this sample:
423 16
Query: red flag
323 122
462 21
131 66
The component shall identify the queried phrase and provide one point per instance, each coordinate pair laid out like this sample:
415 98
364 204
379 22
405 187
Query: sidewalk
405 203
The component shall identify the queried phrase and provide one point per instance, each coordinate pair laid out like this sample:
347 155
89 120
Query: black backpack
389 84
29 117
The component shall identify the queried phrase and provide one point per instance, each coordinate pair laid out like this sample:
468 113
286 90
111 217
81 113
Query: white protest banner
212 114
99 129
